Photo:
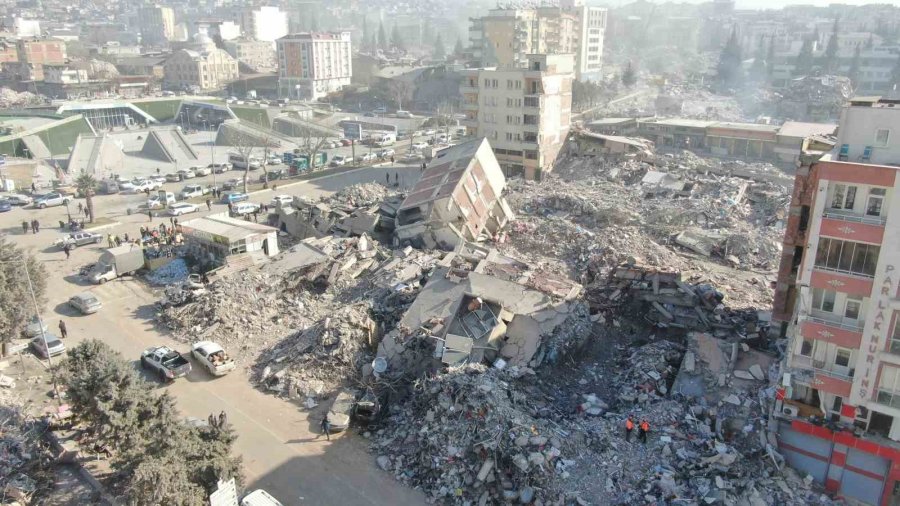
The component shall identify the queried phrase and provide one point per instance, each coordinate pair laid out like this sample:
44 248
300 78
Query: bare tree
400 91
244 145
311 143
268 143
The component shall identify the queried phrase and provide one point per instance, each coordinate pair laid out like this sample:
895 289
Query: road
279 442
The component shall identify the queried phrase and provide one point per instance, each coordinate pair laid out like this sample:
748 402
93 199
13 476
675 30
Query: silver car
86 303
54 345
34 327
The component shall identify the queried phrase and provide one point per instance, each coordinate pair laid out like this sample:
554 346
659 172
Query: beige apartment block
210 69
525 113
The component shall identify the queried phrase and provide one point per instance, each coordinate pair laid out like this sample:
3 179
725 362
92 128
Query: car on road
219 168
173 177
366 157
17 199
231 184
159 202
259 497
272 175
282 200
380 110
167 363
385 153
213 358
234 197
78 239
404 114
193 190
35 327
369 115
338 160
5 206
186 174
53 347
244 208
412 157
429 132
159 179
341 410
183 208
201 171
85 303
346 142
273 160
418 146
50 200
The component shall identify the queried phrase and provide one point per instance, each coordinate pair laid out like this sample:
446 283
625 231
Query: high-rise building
836 299
312 65
157 24
256 54
505 37
208 69
525 113
265 23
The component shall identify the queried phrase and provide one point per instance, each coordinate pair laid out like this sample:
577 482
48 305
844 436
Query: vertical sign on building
879 332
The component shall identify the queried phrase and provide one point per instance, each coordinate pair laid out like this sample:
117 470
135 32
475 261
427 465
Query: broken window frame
875 202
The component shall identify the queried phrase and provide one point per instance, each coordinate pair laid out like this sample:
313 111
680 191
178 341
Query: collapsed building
457 198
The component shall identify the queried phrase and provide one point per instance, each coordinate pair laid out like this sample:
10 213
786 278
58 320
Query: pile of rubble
364 194
26 468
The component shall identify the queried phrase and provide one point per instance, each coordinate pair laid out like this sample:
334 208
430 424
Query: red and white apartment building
836 299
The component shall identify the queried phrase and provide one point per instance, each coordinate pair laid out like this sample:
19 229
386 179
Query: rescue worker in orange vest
629 426
643 429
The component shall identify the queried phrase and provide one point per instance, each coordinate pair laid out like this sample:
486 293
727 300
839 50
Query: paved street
282 450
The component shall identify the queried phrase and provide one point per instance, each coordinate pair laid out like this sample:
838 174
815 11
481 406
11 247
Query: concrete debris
26 467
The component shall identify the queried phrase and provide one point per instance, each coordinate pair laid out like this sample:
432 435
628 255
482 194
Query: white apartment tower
312 65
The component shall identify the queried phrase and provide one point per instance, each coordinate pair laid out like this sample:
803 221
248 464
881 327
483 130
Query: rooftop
224 226
799 129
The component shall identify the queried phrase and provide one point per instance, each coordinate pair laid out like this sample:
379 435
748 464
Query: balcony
839 214
468 106
831 332
825 377
853 227
835 320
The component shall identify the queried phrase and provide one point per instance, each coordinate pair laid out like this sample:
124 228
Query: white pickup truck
213 358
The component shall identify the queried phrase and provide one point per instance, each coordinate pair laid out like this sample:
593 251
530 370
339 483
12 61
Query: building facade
505 37
837 302
157 25
266 23
210 69
525 114
42 51
256 54
312 65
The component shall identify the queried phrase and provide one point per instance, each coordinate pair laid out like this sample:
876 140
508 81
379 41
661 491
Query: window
889 386
852 307
509 84
842 357
806 348
882 137
844 197
875 201
895 335
847 256
823 300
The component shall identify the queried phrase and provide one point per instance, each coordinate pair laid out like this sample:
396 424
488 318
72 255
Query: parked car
242 208
380 110
17 199
234 197
167 363
282 200
418 146
50 200
338 160
219 168
183 208
35 326
159 202
173 177
412 157
273 175
346 142
212 357
201 171
186 174
369 115
273 160
158 179
79 239
86 303
429 132
5 206
231 184
53 347
385 153
404 114
192 190
366 157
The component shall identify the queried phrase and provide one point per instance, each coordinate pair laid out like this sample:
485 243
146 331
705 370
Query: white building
266 23
312 65
591 30
217 236
27 27
210 69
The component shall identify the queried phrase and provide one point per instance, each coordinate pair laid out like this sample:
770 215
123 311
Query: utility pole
37 312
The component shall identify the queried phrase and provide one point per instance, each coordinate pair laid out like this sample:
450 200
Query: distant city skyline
764 4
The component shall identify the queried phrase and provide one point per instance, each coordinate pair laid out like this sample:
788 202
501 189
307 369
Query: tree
729 68
244 145
805 58
629 75
397 40
267 143
770 57
853 72
831 49
311 143
758 69
382 37
458 49
439 51
86 184
16 308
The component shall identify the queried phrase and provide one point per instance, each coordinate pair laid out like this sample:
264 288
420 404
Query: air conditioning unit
790 410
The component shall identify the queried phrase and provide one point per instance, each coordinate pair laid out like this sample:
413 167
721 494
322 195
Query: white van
161 200
404 114
240 162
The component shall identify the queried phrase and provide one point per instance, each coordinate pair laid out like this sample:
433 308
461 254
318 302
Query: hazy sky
776 4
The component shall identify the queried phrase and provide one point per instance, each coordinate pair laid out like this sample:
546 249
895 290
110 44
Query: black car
273 175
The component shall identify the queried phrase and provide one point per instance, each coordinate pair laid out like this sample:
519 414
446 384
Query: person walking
67 250
644 428
423 166
33 188
25 227
209 203
37 226
150 214
396 178
80 208
326 427
117 240
392 159
63 332
629 427
109 240
387 178
33 226
87 212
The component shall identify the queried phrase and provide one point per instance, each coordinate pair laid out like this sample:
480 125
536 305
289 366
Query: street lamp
66 203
